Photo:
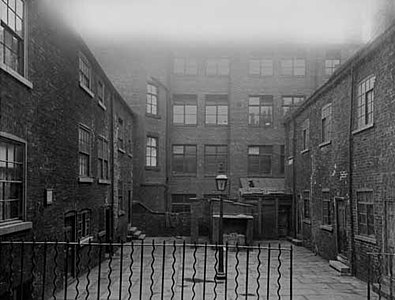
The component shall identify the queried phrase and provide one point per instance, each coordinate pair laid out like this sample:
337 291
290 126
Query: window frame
330 65
101 89
326 123
84 224
21 38
293 67
102 147
187 63
215 63
364 105
305 135
16 141
261 155
216 101
369 203
148 151
261 66
294 104
184 160
152 101
189 100
265 101
85 65
185 203
219 157
88 154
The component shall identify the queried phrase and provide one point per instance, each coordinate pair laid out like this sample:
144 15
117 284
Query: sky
221 20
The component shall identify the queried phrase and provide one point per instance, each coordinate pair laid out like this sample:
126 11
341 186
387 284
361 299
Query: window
217 67
331 65
291 102
152 99
185 66
84 223
11 179
365 213
85 72
120 197
260 160
181 203
261 67
84 151
260 111
293 67
217 110
326 208
282 159
305 134
326 120
100 92
306 204
151 155
121 134
215 157
365 98
185 109
184 159
12 34
102 156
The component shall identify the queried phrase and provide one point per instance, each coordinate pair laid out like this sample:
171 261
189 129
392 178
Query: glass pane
253 150
19 8
210 149
190 165
19 26
3 151
11 20
178 119
191 150
253 101
3 11
178 149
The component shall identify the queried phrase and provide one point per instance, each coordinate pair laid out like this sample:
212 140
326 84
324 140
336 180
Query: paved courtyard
268 275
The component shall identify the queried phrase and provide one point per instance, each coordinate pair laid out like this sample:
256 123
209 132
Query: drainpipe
350 171
112 166
295 210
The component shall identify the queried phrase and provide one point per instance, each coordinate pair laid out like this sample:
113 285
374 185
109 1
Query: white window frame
85 177
365 104
326 123
85 71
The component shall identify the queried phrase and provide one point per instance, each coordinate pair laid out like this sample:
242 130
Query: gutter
112 166
350 171
294 204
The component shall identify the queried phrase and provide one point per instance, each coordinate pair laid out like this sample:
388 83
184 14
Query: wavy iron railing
380 276
161 269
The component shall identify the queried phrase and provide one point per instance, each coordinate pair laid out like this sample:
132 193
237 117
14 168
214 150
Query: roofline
343 70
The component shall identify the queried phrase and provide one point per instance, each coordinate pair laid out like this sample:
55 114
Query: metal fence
138 270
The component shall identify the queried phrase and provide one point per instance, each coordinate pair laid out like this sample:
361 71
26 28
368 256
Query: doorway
341 222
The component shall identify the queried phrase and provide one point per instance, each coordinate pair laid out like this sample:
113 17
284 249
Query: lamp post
221 180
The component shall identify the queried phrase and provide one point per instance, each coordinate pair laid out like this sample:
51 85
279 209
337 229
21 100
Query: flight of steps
340 266
135 234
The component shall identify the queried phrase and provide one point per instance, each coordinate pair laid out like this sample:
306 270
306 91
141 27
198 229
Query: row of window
184 158
257 67
103 151
365 210
260 109
363 107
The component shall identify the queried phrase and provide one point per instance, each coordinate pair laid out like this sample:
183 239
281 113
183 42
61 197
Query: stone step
137 233
132 229
343 269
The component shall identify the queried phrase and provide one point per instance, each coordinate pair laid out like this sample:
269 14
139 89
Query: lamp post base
220 276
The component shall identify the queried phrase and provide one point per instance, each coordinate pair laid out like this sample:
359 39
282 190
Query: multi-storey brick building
219 106
65 134
340 159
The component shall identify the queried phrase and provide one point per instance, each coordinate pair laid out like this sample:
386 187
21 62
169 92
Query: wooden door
341 222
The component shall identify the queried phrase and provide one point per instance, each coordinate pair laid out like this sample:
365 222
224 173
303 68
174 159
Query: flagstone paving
312 278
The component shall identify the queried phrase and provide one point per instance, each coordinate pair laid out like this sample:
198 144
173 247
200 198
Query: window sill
307 221
362 128
216 125
86 240
104 181
87 90
121 213
323 144
102 106
152 168
16 75
130 155
85 179
366 239
101 233
327 228
257 76
152 116
121 150
304 151
185 75
14 227
184 175
260 126
184 125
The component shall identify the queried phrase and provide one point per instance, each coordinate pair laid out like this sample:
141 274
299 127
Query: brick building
216 105
65 134
340 159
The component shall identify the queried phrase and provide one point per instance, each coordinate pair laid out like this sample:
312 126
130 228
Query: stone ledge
343 269
15 227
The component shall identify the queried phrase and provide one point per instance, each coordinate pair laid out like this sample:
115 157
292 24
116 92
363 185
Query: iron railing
141 270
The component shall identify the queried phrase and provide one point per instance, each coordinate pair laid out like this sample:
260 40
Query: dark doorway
341 222
70 232
108 222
